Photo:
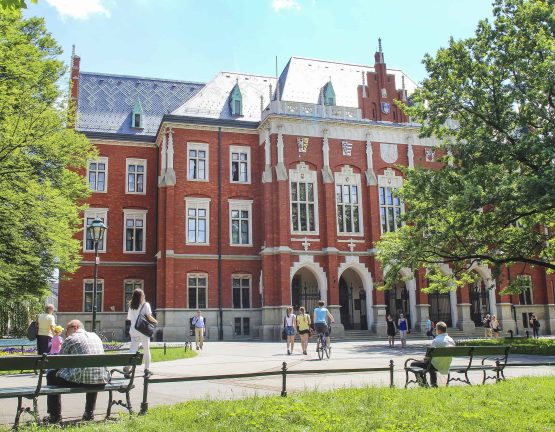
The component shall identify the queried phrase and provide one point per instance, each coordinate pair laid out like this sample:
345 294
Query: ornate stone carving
388 152
347 148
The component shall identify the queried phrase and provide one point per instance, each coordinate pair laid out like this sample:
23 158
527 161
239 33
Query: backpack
32 330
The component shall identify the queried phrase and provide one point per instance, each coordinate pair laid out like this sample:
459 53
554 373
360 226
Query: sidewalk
242 357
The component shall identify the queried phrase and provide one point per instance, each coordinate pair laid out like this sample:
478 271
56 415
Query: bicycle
322 346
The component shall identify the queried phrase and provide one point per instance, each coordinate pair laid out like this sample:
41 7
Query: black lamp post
96 233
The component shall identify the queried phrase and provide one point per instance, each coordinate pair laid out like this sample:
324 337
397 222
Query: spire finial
73 50
379 44
403 81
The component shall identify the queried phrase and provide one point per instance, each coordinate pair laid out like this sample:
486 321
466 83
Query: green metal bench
41 365
490 360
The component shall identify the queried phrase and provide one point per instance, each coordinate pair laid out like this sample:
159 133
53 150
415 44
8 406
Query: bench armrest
409 360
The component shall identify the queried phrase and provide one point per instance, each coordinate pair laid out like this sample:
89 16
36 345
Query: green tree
40 158
15 4
490 100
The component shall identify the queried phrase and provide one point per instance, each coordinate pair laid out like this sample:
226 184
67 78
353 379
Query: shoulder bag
32 330
144 326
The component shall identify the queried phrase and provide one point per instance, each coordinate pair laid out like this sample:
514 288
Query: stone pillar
327 174
422 314
550 319
505 317
379 325
281 171
371 179
272 323
337 329
465 322
267 174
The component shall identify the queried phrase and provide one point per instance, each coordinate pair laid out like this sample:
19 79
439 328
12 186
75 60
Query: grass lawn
171 354
518 345
521 404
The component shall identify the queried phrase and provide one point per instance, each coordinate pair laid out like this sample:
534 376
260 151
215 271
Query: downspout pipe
220 307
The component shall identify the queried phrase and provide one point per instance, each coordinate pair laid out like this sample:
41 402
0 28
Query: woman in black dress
391 330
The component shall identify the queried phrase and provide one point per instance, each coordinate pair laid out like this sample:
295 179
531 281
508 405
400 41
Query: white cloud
79 9
285 4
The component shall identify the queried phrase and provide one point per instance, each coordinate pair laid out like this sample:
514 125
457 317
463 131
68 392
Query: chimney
74 86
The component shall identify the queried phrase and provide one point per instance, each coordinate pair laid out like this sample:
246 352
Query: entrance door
440 307
397 302
304 293
479 302
346 301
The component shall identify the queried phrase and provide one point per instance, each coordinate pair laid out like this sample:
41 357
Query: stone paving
242 357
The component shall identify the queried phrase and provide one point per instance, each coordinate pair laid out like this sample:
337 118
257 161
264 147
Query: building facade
249 193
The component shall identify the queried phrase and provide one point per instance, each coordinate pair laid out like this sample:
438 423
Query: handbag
284 334
144 326
32 330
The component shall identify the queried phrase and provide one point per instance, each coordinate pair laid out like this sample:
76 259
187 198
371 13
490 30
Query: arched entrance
479 302
397 301
352 299
304 290
440 307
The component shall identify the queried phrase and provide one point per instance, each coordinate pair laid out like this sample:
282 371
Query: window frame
135 161
102 213
202 147
349 178
240 205
99 282
240 149
241 277
104 160
529 289
197 275
302 174
133 212
135 282
202 203
389 180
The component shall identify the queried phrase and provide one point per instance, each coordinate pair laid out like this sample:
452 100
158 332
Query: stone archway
314 277
365 277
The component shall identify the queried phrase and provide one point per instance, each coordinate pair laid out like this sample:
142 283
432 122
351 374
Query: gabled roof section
106 102
303 79
213 100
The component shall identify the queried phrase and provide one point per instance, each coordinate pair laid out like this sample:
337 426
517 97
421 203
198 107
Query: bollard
22 350
284 379
497 366
165 348
391 384
144 403
527 334
511 333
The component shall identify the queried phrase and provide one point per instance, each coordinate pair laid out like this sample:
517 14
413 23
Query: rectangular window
240 217
526 317
136 176
241 286
97 172
525 295
303 207
91 215
240 164
197 288
348 208
242 326
198 217
197 161
134 231
390 210
128 287
88 295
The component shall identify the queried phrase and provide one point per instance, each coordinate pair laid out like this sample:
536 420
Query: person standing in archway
402 325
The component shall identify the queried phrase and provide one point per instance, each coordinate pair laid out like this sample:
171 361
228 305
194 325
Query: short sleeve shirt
133 314
46 322
321 315
442 363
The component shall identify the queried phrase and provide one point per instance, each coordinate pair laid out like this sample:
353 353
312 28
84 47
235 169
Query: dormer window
236 101
329 94
137 115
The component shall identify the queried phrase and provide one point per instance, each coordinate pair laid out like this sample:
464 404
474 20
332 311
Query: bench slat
92 360
449 352
481 351
19 363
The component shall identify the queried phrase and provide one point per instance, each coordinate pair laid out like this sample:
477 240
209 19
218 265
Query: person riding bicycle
321 315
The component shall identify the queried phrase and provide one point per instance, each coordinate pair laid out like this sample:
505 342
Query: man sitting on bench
440 364
78 341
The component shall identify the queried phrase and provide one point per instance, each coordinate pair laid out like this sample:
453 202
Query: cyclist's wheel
321 352
327 349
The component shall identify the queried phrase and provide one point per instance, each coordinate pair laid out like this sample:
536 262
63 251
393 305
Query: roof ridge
141 77
246 74
333 62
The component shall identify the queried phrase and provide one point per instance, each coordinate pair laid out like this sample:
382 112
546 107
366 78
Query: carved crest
386 107
303 144
388 152
347 148
430 154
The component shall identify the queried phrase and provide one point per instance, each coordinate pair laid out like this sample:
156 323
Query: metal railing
283 372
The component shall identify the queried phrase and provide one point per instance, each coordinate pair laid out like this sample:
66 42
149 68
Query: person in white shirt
439 364
200 329
138 306
289 325
46 325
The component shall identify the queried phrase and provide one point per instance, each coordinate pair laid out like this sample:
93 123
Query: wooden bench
490 360
41 364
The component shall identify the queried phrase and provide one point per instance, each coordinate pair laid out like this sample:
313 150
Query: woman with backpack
139 307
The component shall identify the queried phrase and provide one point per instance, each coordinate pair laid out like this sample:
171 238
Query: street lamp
95 232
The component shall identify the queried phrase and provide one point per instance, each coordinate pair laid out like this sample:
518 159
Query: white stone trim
202 203
302 173
94 213
307 261
353 262
135 161
100 159
203 147
346 177
134 212
240 149
239 205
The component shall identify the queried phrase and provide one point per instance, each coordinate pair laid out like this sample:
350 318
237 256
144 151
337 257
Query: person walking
429 328
303 325
487 326
290 322
138 306
535 324
391 331
46 326
200 329
495 327
402 325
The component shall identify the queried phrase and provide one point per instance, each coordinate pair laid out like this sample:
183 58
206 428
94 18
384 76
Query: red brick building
246 194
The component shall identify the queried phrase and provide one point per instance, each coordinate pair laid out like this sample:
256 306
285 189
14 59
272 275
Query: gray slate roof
213 100
303 78
106 102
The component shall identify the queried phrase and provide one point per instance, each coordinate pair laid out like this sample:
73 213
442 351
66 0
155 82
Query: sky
193 40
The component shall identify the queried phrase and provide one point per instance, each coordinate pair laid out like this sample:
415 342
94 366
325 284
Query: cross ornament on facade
352 245
305 244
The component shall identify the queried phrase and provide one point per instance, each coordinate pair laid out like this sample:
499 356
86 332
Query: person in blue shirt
321 315
402 325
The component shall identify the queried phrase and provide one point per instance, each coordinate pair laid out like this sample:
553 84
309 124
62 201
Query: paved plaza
242 357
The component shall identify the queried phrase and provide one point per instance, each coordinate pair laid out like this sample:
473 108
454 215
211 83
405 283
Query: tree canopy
490 99
40 159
